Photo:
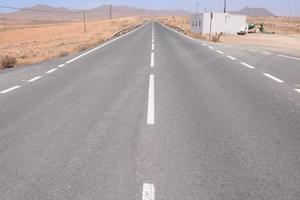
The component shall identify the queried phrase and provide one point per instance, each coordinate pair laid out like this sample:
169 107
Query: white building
217 23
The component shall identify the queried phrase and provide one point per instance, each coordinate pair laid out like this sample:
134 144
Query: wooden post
84 24
110 12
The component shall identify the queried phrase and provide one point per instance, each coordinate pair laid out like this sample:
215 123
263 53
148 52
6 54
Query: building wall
221 22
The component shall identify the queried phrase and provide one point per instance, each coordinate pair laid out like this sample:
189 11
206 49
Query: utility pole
110 11
84 24
225 6
210 26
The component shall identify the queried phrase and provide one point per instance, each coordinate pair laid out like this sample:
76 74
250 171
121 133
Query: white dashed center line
230 57
51 70
148 191
9 89
273 78
211 47
220 52
152 48
249 66
152 59
151 106
34 79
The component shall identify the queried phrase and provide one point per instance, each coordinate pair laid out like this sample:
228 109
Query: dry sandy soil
35 43
32 44
286 40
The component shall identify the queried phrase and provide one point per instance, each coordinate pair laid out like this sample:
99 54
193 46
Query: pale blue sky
278 7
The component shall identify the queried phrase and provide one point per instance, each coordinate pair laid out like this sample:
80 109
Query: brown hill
254 12
47 13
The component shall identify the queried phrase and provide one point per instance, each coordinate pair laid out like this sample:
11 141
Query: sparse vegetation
48 41
63 53
7 61
83 47
215 38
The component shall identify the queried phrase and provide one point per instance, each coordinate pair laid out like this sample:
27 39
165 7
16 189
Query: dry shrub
7 61
215 38
197 35
83 47
63 54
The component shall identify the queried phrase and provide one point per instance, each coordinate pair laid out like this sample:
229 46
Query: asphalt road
152 115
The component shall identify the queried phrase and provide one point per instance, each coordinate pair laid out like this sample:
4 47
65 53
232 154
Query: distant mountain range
254 12
45 12
42 13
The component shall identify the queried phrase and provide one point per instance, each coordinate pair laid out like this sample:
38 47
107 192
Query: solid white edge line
34 79
152 59
103 45
151 106
232 58
297 90
51 70
247 65
280 55
273 78
148 191
10 89
220 52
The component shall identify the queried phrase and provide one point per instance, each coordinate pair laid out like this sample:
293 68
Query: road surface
152 115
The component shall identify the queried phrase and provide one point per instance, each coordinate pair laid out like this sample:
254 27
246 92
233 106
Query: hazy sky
278 7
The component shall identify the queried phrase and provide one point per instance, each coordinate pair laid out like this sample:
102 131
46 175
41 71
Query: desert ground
35 43
30 44
285 40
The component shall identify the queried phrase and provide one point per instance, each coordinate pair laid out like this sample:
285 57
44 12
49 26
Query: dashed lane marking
230 57
51 71
62 65
34 79
10 89
148 191
247 65
152 59
284 56
297 90
151 105
273 78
